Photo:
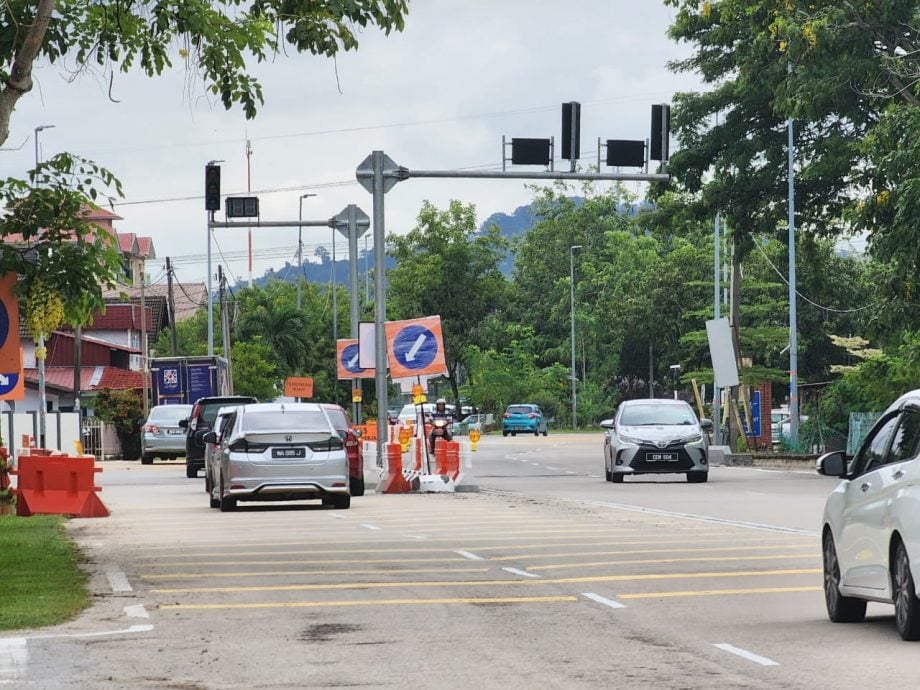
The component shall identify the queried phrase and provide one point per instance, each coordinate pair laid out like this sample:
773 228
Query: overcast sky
440 95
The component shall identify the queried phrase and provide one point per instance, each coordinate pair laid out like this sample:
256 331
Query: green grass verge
40 579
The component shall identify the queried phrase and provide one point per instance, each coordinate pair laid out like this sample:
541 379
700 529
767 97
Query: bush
125 410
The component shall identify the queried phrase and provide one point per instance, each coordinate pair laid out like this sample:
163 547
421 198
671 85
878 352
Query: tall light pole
210 290
793 326
40 361
300 245
572 299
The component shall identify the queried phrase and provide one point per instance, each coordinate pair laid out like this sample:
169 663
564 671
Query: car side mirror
607 423
706 424
210 437
832 464
183 423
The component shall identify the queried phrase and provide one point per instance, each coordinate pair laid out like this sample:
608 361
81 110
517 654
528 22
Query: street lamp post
300 246
40 350
572 299
675 377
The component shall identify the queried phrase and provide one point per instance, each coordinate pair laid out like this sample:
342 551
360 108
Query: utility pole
144 343
171 305
572 312
42 395
225 321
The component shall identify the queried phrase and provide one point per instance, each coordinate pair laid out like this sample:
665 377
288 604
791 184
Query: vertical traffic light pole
211 204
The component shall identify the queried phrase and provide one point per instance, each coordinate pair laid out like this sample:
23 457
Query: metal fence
100 439
860 424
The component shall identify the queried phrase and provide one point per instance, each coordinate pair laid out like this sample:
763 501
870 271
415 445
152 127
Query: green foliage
443 267
48 237
42 581
124 409
254 371
874 384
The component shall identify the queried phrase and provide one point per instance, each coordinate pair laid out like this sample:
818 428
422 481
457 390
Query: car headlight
629 440
696 438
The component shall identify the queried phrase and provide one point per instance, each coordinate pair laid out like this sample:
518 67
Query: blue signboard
755 417
199 381
350 359
8 382
415 347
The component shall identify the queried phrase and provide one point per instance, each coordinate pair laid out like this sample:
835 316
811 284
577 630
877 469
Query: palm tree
281 326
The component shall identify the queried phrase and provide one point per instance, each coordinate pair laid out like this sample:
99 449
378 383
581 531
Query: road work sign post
378 174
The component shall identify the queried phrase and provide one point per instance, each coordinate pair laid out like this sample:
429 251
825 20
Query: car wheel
608 475
906 605
697 477
514 433
225 503
212 501
840 609
191 471
504 433
356 486
146 459
536 431
337 502
616 477
546 432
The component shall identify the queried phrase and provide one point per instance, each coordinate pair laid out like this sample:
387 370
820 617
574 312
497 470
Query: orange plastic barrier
440 456
370 431
395 482
452 459
58 485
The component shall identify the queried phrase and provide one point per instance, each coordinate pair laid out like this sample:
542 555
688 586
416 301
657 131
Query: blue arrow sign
415 347
8 381
350 359
4 324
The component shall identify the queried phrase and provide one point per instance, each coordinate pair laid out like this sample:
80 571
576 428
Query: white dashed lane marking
745 654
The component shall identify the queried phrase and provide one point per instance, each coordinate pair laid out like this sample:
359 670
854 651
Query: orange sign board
346 360
12 383
298 386
415 347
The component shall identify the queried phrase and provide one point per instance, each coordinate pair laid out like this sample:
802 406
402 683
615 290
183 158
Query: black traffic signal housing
212 188
661 132
571 131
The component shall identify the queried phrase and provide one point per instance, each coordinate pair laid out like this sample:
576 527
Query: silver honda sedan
656 436
278 452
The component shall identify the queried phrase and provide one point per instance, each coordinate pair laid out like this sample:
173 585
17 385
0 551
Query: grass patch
40 579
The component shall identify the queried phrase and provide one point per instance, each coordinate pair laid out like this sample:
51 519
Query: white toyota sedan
871 531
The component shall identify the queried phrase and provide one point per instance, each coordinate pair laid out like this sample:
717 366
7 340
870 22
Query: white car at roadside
871 529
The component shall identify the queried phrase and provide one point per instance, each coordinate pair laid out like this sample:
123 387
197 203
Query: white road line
336 516
603 600
522 573
14 658
554 469
416 536
104 633
471 556
745 654
117 580
369 526
569 472
595 476
136 611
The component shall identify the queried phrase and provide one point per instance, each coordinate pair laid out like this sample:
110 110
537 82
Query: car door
862 558
901 479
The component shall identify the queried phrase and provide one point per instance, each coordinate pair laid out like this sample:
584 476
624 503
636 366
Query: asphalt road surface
549 577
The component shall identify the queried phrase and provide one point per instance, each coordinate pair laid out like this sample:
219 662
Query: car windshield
291 420
649 415
520 409
170 413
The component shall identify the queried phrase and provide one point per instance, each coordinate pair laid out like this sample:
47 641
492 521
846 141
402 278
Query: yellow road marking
718 592
468 545
693 559
520 556
282 573
373 602
491 583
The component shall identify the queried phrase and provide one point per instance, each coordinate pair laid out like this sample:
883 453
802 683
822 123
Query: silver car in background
161 436
656 436
278 452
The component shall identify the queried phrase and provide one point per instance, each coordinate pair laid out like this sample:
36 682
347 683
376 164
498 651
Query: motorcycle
440 428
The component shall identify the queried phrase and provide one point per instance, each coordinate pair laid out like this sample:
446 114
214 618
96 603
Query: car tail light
506 416
351 441
334 443
244 446
151 429
531 415
193 418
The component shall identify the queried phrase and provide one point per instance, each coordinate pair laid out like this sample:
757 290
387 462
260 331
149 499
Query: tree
444 267
214 39
254 372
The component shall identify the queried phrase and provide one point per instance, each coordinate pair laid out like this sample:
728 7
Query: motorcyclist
440 413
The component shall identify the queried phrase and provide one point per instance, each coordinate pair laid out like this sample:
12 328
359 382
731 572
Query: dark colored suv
200 421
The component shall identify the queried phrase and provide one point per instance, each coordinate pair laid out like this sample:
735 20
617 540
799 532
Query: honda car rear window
299 420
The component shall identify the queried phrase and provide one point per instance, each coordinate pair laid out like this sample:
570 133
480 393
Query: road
549 577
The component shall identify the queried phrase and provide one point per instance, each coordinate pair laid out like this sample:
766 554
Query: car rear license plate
175 432
661 457
289 453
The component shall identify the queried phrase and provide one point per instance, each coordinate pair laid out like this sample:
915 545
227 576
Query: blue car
526 418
